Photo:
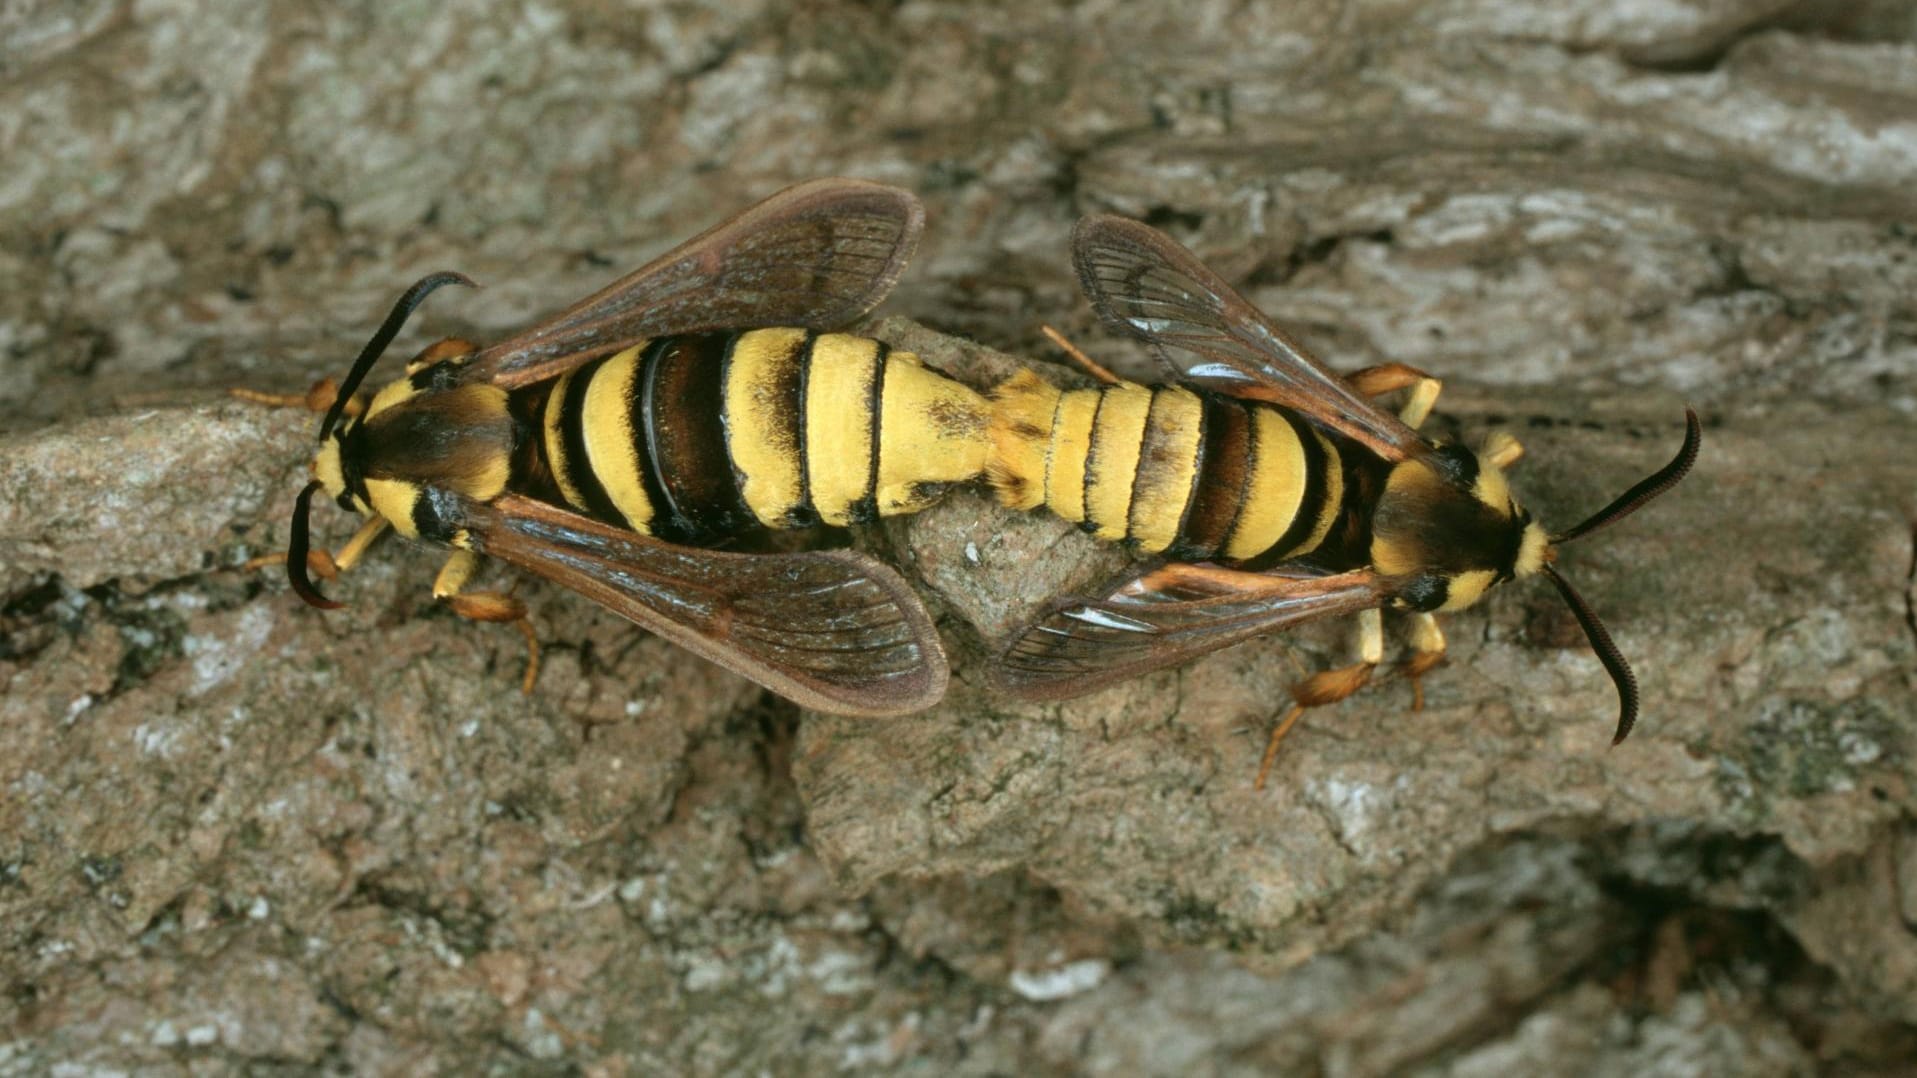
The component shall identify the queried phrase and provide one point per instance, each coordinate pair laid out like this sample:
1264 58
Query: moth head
1462 493
329 471
332 464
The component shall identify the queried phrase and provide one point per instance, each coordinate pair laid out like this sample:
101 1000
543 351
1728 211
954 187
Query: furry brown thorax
1449 528
421 434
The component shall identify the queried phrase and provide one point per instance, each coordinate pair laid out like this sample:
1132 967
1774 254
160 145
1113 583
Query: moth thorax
390 395
459 439
1455 531
1407 530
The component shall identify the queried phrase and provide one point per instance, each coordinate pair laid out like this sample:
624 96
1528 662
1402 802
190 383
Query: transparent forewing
1164 617
834 631
1146 285
818 255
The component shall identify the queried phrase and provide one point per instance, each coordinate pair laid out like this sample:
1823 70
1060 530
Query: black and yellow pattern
1201 476
699 438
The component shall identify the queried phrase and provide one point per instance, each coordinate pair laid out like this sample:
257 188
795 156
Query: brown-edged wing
1166 616
1145 285
817 255
835 631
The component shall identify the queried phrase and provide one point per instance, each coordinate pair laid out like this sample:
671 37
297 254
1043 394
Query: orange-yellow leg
328 566
319 398
486 606
318 562
1427 651
439 350
1502 450
1329 686
1091 366
1374 381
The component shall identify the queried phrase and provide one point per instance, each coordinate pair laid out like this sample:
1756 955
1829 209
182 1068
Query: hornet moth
1272 490
697 400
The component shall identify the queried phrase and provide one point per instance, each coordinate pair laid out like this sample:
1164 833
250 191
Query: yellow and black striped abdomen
1203 476
700 438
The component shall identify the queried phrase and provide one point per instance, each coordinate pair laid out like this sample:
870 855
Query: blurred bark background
234 832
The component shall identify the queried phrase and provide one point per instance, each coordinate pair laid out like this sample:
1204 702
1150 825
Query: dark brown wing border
1165 616
834 631
817 255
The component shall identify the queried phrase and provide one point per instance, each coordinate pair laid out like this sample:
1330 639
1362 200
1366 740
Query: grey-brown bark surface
234 831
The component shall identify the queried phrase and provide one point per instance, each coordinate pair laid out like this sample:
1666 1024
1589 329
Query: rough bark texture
234 832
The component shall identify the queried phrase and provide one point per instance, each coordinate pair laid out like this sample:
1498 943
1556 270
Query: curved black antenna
1632 500
297 547
1607 653
382 337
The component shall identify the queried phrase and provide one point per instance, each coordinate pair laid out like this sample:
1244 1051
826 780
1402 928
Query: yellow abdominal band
933 432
